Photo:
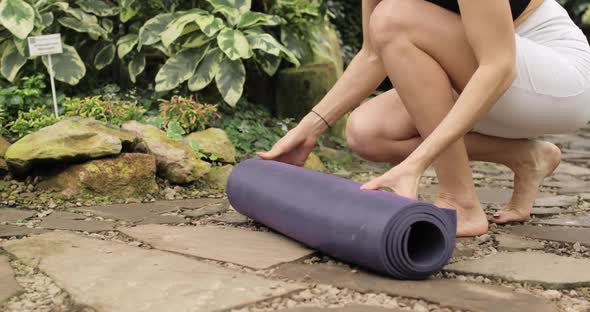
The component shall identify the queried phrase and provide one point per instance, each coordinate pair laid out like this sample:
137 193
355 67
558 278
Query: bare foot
535 163
471 219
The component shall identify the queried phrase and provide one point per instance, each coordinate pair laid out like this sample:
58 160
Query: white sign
45 45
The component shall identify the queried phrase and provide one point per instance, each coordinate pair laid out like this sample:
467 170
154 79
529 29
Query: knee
361 135
391 20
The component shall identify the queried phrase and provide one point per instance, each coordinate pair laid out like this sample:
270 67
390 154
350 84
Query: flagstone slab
549 270
556 201
188 203
544 212
579 220
571 169
7 231
554 233
448 293
253 249
348 308
232 217
13 215
139 213
8 285
74 222
206 211
111 276
507 242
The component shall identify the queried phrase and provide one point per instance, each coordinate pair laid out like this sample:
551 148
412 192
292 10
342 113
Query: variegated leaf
264 42
268 62
179 69
150 32
107 25
68 67
298 47
195 40
46 19
126 44
234 44
230 80
209 24
176 27
251 19
129 9
12 61
98 7
242 6
136 66
206 70
82 16
105 56
82 27
18 17
21 46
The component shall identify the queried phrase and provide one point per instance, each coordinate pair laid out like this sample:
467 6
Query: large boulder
215 142
298 90
71 139
217 178
124 176
177 162
4 144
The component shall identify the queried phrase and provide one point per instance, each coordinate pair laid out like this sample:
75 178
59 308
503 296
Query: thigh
384 116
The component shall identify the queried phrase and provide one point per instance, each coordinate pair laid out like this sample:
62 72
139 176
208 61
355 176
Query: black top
517 6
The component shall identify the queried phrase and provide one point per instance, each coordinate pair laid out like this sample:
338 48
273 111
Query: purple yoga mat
381 231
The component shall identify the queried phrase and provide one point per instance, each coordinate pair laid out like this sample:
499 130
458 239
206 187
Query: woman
474 80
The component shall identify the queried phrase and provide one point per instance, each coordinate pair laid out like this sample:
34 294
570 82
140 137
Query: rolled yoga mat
397 236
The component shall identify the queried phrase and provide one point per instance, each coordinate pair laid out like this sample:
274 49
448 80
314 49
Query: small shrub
26 94
115 112
191 115
31 121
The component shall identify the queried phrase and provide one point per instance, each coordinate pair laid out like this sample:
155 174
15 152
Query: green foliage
347 17
115 112
579 10
252 128
185 114
31 121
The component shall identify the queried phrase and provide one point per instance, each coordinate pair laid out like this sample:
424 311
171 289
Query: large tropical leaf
12 61
230 80
179 69
18 17
129 9
234 44
136 66
268 62
68 66
251 19
150 32
82 16
105 56
195 40
206 70
21 46
231 9
82 27
299 47
45 20
126 44
264 42
209 24
98 7
176 27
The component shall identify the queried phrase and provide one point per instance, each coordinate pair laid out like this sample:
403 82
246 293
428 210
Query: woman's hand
403 179
294 147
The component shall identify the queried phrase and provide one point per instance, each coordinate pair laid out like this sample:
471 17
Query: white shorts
551 92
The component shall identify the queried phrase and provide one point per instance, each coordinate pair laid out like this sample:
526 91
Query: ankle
458 200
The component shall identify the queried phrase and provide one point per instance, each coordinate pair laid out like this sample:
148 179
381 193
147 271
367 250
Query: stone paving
201 255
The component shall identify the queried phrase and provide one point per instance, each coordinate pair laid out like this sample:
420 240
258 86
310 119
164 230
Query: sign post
47 45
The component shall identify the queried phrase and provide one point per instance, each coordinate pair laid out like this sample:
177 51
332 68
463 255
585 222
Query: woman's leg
392 138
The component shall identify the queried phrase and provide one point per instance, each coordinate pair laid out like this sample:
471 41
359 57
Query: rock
8 285
548 270
215 142
4 145
449 293
217 177
325 46
231 217
71 139
97 273
556 201
253 249
176 161
7 231
3 166
145 213
74 222
546 211
207 210
298 90
508 242
552 294
124 176
554 233
313 162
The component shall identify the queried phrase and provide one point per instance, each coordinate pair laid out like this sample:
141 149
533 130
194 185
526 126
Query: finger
374 184
275 152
